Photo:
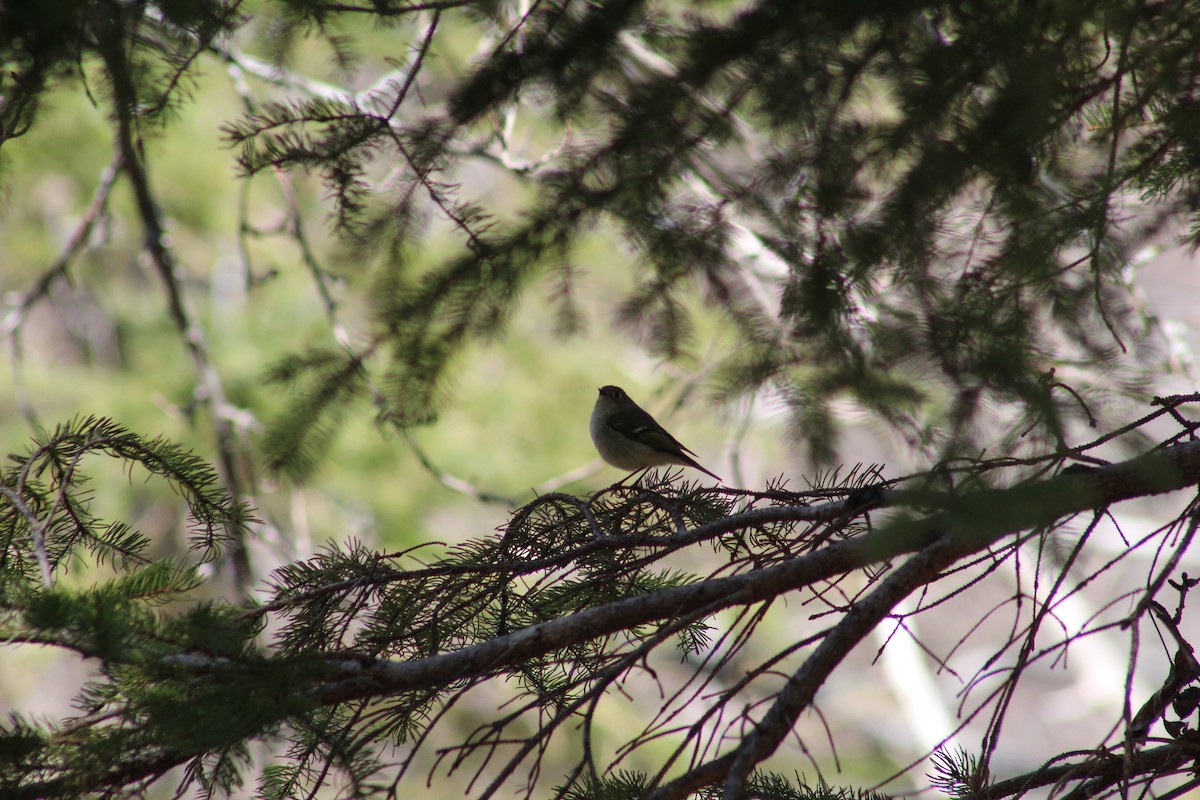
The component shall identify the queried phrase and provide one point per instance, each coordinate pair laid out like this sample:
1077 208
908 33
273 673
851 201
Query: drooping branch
112 39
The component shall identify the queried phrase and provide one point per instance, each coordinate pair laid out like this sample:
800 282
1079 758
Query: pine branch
970 522
558 647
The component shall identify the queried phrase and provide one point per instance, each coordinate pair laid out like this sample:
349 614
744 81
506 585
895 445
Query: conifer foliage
576 604
926 209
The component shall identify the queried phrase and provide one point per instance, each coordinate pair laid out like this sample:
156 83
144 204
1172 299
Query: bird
627 437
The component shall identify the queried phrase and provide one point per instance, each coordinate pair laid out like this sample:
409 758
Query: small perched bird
629 438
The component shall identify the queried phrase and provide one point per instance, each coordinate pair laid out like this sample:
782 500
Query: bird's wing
638 425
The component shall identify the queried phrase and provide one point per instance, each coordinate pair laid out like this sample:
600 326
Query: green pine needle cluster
187 683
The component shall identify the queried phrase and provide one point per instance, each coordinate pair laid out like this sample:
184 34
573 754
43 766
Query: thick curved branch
974 520
938 539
